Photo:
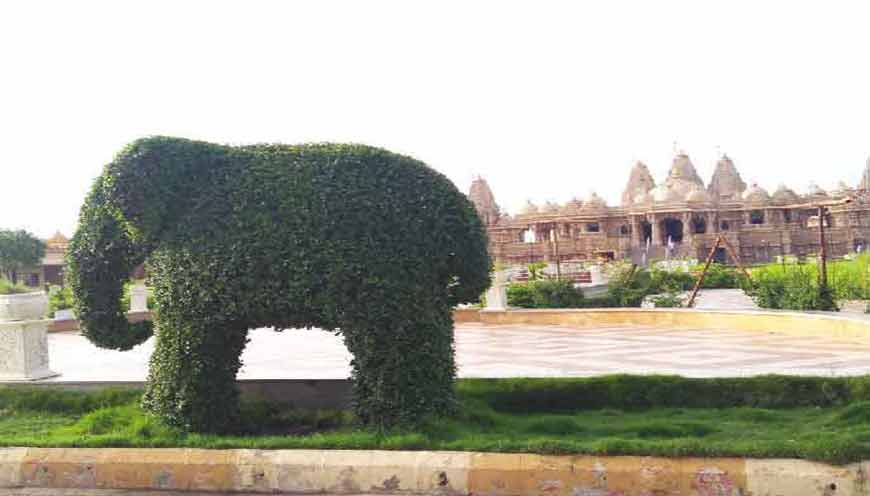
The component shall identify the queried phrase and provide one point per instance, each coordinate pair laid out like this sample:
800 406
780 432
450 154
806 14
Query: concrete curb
419 472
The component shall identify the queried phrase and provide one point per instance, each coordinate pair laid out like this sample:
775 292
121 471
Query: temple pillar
636 232
656 230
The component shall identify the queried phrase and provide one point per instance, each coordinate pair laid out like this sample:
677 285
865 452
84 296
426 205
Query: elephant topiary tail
100 259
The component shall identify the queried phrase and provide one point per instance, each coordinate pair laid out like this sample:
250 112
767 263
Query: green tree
19 249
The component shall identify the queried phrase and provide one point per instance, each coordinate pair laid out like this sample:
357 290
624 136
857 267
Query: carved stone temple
680 217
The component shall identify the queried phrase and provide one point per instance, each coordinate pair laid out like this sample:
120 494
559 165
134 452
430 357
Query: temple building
50 270
680 217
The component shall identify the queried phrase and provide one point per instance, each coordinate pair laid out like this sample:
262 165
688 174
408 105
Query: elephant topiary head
350 238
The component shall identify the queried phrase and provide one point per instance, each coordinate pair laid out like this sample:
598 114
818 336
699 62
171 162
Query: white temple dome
785 196
593 201
756 194
550 208
572 206
698 196
529 208
815 190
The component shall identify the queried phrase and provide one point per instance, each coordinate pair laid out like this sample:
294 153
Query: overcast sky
545 100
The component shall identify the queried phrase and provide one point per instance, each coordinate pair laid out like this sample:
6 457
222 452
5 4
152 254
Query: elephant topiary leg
192 377
403 369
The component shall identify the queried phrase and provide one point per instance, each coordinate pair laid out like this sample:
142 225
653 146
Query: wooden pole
556 246
704 271
823 255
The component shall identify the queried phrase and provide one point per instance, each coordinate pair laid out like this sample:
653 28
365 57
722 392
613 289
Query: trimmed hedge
545 293
348 238
634 392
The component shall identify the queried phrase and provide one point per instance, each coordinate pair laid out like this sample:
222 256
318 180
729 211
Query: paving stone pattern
512 351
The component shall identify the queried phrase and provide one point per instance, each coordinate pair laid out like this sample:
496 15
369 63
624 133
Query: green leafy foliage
347 238
7 287
536 270
19 249
545 293
59 298
790 287
719 276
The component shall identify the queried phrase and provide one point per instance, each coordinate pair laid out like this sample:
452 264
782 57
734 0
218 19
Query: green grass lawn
819 419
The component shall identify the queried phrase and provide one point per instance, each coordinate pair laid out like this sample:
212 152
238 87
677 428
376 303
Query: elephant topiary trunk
348 238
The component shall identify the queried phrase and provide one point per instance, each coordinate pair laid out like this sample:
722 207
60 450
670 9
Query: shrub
791 287
7 287
521 295
668 300
719 276
627 392
347 238
59 298
536 270
546 293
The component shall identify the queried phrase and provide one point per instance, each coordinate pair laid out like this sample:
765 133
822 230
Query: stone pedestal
24 351
138 298
23 340
496 295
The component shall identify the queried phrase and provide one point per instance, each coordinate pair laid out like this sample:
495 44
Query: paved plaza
511 351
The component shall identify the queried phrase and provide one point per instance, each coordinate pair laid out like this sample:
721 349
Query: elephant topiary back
347 238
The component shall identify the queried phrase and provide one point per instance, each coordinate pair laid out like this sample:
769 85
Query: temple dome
642 198
593 202
842 189
529 208
573 206
682 169
682 180
550 208
698 196
726 183
57 239
785 196
640 182
815 191
664 193
756 194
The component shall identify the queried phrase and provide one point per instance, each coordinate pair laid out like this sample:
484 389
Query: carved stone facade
681 215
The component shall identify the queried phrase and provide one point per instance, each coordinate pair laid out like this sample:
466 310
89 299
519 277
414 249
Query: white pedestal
138 298
595 276
24 350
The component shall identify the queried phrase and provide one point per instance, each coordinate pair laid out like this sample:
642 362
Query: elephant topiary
348 238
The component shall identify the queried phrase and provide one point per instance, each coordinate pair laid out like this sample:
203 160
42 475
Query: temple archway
646 231
672 229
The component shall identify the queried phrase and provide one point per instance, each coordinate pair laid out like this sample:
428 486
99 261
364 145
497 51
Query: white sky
546 100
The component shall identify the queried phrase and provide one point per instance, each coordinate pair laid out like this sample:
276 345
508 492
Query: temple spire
484 201
726 183
640 182
865 178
